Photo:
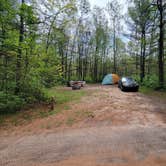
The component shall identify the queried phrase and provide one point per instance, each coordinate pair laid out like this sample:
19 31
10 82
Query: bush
88 79
136 77
10 102
150 81
29 94
32 93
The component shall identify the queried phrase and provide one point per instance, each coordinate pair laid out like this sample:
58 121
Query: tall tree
19 55
141 16
113 8
160 7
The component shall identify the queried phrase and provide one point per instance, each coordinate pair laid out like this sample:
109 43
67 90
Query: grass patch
62 97
67 107
55 111
152 92
43 114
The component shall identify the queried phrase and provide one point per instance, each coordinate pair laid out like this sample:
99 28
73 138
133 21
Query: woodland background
44 43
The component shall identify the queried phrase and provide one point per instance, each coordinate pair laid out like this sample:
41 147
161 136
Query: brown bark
142 57
161 44
114 47
19 55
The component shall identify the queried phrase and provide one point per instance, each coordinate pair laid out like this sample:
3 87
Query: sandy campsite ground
106 128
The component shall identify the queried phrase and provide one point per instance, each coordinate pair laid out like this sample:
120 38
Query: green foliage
10 102
33 93
37 67
136 77
150 81
47 69
89 79
62 96
28 13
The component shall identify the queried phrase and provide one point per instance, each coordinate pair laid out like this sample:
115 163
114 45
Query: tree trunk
114 47
161 45
142 58
61 53
19 55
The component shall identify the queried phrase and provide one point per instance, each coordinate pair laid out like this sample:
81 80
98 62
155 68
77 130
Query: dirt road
120 129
